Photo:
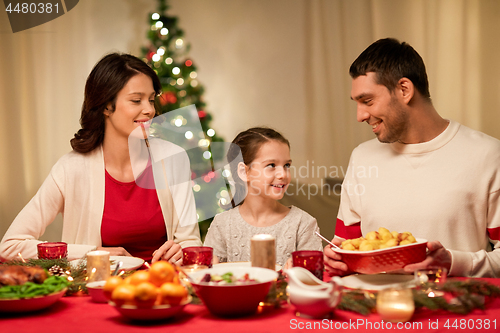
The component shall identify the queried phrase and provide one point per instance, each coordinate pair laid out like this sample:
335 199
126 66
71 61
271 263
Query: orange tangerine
124 294
172 293
139 277
161 272
111 283
146 294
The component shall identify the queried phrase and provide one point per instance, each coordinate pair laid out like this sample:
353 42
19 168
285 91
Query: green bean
29 289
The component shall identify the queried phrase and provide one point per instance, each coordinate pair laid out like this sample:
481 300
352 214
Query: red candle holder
56 250
310 260
197 255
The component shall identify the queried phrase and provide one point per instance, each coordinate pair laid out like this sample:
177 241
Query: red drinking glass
56 250
310 260
197 255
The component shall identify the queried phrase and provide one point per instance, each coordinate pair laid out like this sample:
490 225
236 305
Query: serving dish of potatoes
382 251
381 239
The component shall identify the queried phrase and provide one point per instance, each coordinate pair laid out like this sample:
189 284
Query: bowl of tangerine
151 294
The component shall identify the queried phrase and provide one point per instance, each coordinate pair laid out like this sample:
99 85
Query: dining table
80 314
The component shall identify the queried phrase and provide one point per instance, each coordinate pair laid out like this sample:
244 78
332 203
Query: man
425 174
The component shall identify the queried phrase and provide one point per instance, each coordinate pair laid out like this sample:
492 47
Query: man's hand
170 251
333 261
437 256
115 251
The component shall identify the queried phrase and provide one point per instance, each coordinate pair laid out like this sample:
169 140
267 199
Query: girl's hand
170 251
115 251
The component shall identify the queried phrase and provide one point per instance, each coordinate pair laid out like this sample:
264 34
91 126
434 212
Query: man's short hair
392 60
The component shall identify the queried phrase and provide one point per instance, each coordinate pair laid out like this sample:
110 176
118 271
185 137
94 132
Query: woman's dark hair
106 79
248 143
392 60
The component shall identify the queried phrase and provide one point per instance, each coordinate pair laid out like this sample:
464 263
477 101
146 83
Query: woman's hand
115 251
170 251
438 256
288 264
333 261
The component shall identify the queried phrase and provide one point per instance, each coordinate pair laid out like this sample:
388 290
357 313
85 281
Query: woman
94 186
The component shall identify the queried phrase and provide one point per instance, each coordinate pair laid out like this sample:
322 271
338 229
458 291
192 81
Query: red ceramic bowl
386 260
233 300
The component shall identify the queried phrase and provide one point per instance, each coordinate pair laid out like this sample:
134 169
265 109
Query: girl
94 185
265 171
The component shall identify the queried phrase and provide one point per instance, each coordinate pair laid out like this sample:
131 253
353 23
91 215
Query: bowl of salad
232 291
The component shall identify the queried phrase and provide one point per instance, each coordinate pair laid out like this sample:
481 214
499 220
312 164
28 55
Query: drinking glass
431 279
52 250
310 260
197 255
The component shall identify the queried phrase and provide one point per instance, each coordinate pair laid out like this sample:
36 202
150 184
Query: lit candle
98 266
263 251
395 305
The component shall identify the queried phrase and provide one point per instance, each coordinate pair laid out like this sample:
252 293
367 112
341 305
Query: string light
203 143
169 61
226 173
178 43
211 132
197 188
156 57
189 135
164 31
194 83
161 51
155 16
178 122
180 81
193 75
176 70
159 24
207 155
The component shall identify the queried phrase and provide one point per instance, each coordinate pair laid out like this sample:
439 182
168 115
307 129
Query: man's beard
395 124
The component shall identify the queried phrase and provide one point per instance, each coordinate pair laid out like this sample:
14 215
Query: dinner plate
30 304
241 263
378 281
129 263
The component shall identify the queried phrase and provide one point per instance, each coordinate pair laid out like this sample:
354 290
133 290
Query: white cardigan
75 188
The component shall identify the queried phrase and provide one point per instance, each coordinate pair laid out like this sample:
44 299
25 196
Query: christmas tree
167 54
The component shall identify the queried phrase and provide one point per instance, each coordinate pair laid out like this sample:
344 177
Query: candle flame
20 256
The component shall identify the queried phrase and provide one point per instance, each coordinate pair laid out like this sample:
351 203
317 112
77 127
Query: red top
132 217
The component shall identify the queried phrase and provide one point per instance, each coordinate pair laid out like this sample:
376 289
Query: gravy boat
312 297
